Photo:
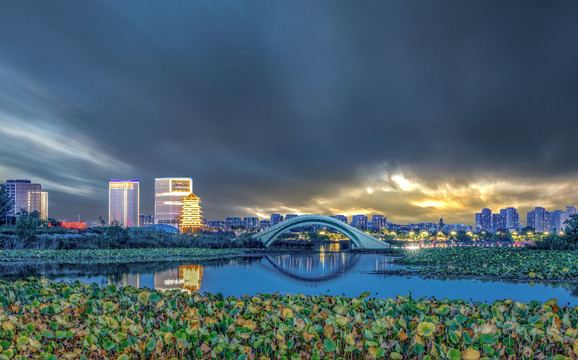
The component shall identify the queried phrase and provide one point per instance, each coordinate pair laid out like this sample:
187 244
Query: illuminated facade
123 202
191 213
169 194
44 205
78 225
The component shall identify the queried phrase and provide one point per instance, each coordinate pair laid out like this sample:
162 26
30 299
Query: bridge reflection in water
326 265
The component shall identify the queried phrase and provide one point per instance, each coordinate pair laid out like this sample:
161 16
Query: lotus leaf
426 328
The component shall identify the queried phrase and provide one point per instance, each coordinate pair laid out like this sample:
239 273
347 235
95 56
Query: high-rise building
570 210
290 216
44 205
484 220
478 221
124 202
24 196
497 222
510 218
340 218
378 222
233 222
276 219
557 219
145 220
251 222
191 213
530 219
264 224
169 195
539 219
359 221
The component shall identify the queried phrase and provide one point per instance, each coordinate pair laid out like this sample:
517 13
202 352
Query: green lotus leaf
154 297
453 354
329 345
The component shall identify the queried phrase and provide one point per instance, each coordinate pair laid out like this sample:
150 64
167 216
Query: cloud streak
415 110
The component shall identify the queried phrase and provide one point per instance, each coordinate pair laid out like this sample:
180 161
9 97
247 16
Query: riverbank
118 256
489 263
60 320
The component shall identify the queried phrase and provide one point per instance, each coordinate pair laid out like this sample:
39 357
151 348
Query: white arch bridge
357 237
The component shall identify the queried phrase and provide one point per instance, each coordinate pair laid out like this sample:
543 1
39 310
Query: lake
332 273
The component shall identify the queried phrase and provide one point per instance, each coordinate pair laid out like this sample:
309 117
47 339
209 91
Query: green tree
5 204
26 224
571 233
115 236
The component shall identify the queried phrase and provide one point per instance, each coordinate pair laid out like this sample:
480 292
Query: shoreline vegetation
490 263
53 320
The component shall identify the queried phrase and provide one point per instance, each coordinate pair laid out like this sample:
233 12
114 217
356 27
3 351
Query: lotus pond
498 263
51 320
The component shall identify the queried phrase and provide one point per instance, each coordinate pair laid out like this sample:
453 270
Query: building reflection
186 278
126 280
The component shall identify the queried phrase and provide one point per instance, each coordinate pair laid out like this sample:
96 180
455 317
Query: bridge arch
359 238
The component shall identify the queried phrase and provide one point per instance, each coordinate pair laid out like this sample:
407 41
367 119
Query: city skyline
415 112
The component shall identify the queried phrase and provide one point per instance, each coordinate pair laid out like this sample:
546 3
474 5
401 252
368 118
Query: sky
415 110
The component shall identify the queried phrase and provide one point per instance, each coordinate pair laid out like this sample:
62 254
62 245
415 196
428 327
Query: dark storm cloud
274 105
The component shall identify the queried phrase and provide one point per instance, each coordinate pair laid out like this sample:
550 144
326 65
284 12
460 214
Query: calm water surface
333 273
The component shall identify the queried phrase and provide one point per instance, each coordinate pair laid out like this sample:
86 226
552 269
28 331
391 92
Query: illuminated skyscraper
123 202
190 218
24 196
44 205
169 194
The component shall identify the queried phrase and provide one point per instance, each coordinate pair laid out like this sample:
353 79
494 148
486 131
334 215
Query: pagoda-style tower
191 213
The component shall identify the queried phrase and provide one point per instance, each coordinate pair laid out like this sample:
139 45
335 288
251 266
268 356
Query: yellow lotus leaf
70 355
372 352
402 335
349 340
250 324
471 354
8 326
527 352
426 328
488 328
287 313
575 346
531 274
418 340
307 336
209 321
299 325
168 337
328 331
143 297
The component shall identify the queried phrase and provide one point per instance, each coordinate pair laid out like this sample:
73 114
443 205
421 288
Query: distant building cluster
28 197
540 219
